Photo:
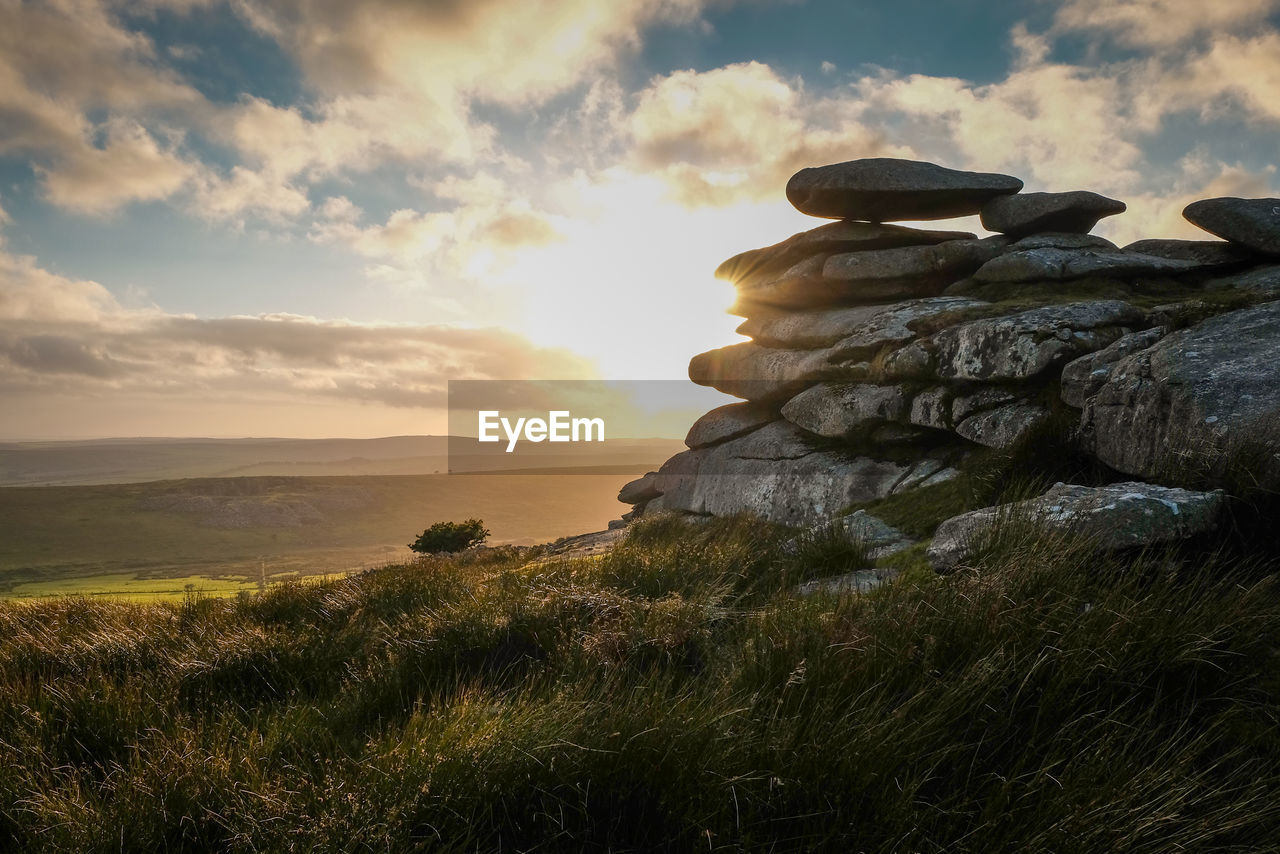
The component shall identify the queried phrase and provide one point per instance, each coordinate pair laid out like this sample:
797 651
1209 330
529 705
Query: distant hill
104 461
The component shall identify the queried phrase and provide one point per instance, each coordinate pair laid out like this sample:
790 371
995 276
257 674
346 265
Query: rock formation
881 356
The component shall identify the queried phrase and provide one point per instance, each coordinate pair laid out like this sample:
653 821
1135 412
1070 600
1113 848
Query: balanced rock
1030 213
1254 223
1193 397
827 239
1023 345
1108 518
728 422
885 189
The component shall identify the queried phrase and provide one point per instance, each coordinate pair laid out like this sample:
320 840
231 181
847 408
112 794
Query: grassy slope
55 535
671 695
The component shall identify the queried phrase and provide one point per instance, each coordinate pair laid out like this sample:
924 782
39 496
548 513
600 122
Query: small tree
450 537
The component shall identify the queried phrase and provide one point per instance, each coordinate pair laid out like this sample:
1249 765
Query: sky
304 217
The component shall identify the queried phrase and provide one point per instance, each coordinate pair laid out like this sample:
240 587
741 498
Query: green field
222 535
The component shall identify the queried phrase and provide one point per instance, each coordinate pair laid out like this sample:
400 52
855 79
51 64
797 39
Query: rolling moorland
675 694
221 534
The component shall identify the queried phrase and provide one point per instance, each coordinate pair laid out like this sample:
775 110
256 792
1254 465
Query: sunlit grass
671 695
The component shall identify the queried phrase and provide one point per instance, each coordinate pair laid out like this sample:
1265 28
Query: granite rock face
1031 213
1024 345
885 359
1106 518
1192 398
885 189
1053 264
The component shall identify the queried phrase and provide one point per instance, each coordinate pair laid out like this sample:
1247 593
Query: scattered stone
946 475
1023 345
827 239
878 538
1003 426
1052 264
728 422
845 410
1193 397
1253 223
1205 253
884 189
1029 213
858 581
1119 516
1082 377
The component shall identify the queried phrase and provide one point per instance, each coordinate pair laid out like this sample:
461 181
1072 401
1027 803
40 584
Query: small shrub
450 537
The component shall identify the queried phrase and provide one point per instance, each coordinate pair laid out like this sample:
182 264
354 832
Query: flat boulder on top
833 237
1030 213
1254 223
885 189
1118 516
1194 397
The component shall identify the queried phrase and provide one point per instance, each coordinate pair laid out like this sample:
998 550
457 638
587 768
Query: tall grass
672 695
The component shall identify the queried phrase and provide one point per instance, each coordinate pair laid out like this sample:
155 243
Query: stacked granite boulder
881 355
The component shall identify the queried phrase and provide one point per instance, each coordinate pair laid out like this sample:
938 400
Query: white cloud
1160 23
61 65
738 132
71 340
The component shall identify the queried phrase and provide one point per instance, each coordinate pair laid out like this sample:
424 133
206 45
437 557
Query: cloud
1158 213
736 133
71 75
69 339
481 234
131 166
1160 23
